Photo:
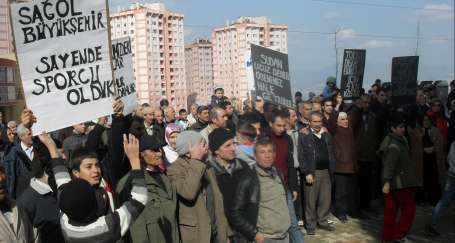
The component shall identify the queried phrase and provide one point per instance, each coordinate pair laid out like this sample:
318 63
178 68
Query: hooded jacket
399 169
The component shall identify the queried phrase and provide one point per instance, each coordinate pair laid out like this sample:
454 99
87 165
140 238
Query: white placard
62 48
122 59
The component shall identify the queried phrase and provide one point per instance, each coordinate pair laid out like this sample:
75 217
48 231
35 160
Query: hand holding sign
27 118
118 106
62 47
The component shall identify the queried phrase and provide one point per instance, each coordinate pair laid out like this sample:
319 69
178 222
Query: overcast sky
385 28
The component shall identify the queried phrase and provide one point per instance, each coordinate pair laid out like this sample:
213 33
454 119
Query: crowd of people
230 172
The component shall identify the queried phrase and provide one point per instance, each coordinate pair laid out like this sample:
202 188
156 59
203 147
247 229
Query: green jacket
158 220
398 167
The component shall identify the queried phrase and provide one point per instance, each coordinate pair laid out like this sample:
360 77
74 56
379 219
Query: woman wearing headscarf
345 169
170 134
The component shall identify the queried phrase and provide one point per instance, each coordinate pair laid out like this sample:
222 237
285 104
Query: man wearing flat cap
162 206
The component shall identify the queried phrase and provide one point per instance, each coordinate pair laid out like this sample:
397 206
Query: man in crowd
304 109
292 131
169 114
227 167
2 124
366 144
80 205
76 140
201 211
298 97
14 223
39 202
447 197
330 88
217 119
317 163
254 120
164 103
12 125
327 111
182 120
400 177
148 115
233 118
202 118
159 125
245 139
218 97
260 212
192 117
18 162
284 162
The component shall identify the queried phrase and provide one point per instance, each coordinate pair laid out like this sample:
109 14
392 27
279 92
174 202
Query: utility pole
418 38
336 53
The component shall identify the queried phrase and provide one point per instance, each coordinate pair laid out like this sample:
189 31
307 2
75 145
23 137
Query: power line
381 5
333 33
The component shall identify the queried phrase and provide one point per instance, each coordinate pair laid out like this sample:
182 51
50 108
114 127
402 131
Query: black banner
271 75
404 80
352 74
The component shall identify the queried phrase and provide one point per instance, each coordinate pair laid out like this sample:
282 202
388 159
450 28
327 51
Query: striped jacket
110 227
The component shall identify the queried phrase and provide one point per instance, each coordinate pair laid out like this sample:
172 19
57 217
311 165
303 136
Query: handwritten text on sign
271 75
123 73
63 53
352 75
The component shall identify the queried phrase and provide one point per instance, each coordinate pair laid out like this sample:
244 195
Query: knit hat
331 79
149 142
78 201
218 137
185 139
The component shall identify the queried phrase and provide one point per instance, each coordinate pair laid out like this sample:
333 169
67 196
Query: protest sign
404 80
122 59
63 51
271 75
352 74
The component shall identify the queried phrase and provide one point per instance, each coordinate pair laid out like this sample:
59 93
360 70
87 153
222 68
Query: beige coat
187 176
22 231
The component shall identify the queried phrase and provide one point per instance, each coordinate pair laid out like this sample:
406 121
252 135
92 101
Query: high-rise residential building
158 51
6 37
230 44
199 70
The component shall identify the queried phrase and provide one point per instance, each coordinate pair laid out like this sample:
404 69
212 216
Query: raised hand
118 106
47 140
131 147
198 151
27 118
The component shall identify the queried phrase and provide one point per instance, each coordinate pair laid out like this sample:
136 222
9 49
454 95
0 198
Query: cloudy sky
385 28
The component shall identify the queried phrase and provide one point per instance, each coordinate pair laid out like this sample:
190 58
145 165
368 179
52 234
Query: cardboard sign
122 59
352 74
271 75
404 80
62 47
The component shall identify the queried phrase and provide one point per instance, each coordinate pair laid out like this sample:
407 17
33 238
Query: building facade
199 70
158 51
231 42
6 37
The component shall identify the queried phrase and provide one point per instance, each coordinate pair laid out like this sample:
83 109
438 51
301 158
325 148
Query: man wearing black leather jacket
257 192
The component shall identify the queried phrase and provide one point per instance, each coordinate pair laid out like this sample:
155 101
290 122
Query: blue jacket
18 167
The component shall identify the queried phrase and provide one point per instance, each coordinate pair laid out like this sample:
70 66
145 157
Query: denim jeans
295 234
447 197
